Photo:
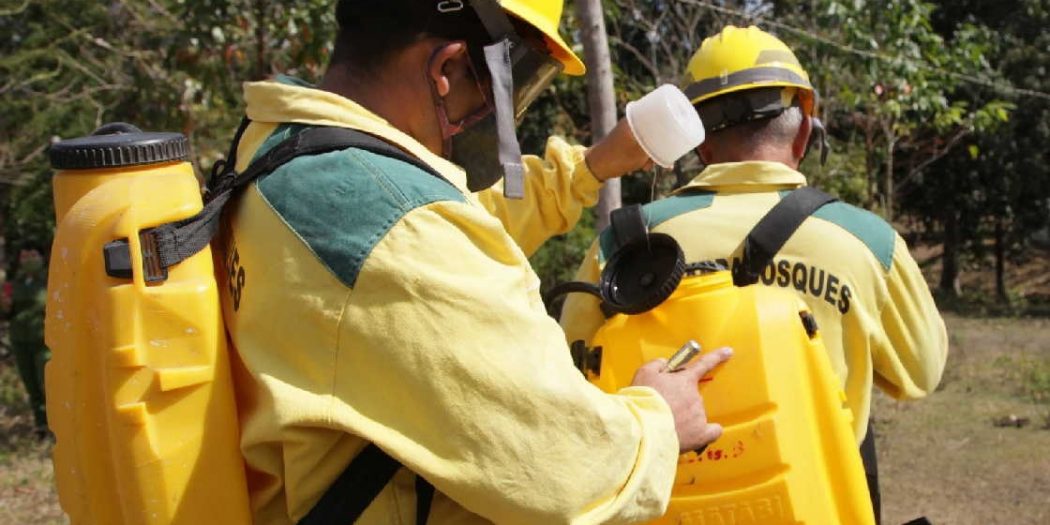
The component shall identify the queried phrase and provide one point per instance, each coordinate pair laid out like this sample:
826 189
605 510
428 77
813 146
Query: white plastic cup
665 124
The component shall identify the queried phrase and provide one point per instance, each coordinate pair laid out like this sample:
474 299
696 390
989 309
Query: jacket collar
746 177
291 100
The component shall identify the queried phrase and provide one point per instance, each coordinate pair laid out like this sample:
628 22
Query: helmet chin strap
508 154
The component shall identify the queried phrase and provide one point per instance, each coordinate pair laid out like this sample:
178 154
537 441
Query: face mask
476 150
449 130
473 143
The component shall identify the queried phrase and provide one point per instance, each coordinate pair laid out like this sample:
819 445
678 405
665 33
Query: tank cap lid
642 275
118 145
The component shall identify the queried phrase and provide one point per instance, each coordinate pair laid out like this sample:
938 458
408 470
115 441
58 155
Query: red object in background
6 293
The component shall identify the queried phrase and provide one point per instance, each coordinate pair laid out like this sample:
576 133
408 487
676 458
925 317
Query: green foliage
557 260
999 187
69 66
911 92
224 43
1029 375
1037 381
892 79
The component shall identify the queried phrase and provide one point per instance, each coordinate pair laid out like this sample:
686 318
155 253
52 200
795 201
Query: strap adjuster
153 268
118 260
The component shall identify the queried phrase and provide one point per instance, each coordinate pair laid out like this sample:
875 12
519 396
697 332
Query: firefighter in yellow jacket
878 319
372 303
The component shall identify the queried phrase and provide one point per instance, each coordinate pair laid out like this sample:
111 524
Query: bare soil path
978 450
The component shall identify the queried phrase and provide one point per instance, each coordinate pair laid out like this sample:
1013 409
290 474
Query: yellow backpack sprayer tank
138 387
139 390
787 454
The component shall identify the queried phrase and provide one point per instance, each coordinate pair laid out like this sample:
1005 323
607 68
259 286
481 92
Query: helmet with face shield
522 56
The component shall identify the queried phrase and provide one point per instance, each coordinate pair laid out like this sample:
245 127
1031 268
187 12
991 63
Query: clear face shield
533 72
520 71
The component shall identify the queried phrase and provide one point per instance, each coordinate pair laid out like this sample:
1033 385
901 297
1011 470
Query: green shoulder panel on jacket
341 204
659 212
871 229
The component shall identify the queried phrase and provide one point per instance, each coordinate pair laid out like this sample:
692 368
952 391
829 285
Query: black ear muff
642 274
819 137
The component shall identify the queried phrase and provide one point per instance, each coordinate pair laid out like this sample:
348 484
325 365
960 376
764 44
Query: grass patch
16 419
979 304
1029 375
1036 381
27 493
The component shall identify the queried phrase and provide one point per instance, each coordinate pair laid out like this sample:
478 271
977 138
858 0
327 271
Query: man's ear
801 142
704 151
445 64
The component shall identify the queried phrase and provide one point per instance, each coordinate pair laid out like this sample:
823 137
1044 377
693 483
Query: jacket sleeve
557 189
910 351
447 361
581 314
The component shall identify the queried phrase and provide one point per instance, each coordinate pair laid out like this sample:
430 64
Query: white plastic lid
665 124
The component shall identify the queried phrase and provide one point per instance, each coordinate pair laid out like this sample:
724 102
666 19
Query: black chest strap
774 230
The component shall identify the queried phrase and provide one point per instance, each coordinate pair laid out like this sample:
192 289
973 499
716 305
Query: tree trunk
262 68
1000 262
888 189
871 186
601 99
950 257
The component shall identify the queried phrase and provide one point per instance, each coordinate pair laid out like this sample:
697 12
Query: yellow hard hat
545 15
739 59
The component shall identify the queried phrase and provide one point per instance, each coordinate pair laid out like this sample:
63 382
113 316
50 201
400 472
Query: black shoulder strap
169 244
360 484
629 224
353 491
774 230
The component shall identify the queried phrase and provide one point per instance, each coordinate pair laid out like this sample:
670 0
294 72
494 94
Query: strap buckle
118 260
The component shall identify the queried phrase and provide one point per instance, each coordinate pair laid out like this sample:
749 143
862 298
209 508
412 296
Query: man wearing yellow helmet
389 334
879 322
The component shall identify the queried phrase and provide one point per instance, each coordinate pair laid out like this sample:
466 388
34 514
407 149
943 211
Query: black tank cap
118 145
642 275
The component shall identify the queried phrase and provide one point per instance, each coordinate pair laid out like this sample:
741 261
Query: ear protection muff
819 136
643 272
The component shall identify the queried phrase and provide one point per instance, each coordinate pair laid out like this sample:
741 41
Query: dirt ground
27 494
976 452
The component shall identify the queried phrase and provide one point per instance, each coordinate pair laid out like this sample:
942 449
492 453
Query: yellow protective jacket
875 311
368 300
